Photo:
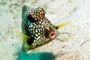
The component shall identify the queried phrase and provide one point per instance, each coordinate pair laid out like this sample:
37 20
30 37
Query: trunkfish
37 29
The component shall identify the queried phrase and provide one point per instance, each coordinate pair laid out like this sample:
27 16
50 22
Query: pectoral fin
60 26
26 40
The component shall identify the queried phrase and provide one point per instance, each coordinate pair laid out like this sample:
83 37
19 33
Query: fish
37 29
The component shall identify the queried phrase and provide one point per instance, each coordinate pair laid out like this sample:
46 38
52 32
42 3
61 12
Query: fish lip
52 35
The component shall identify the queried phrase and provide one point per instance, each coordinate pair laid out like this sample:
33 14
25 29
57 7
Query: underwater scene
44 29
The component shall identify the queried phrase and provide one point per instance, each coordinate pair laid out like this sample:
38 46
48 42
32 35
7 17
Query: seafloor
73 42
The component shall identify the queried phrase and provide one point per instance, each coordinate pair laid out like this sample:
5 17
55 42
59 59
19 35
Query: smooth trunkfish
37 29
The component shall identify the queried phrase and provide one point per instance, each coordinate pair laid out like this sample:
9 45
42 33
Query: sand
73 42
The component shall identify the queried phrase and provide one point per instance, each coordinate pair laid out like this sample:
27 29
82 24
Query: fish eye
31 19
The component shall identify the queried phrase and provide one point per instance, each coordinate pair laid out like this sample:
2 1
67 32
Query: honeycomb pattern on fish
36 26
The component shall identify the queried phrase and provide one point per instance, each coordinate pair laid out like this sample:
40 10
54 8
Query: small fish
37 28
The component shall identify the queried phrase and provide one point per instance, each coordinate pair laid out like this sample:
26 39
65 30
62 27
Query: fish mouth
52 34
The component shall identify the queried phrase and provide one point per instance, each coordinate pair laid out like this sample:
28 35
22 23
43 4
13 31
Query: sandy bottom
73 42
